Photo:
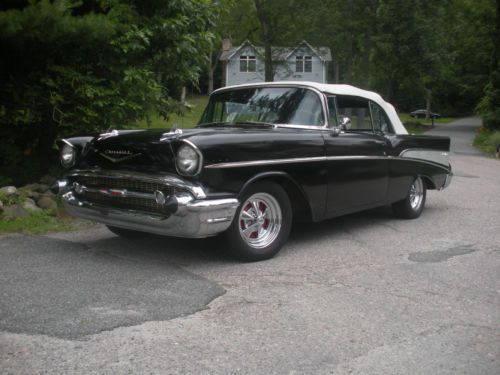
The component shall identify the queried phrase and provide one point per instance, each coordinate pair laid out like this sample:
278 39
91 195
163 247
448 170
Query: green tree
489 106
78 67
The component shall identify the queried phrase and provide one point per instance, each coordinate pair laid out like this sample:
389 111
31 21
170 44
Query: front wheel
412 206
262 222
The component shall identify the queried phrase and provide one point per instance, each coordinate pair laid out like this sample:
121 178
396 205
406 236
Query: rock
42 188
30 205
15 211
30 201
36 187
8 190
33 194
31 187
46 203
48 180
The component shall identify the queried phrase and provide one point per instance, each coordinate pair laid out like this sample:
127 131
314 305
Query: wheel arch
301 207
429 182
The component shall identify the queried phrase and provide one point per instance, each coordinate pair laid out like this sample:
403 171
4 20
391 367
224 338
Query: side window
357 109
308 111
332 111
218 111
380 120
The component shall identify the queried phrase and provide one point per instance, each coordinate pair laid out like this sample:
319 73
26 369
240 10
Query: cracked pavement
362 294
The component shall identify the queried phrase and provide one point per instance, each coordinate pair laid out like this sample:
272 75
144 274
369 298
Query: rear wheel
412 206
262 222
126 233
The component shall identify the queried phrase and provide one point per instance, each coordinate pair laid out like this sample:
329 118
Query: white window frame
246 59
303 64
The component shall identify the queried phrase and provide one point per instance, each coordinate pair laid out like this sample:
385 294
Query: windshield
267 105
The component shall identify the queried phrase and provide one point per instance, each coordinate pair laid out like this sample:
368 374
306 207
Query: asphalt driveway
366 293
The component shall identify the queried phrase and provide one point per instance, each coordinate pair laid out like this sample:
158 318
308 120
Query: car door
357 158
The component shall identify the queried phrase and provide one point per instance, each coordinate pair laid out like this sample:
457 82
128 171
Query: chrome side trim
237 164
445 167
435 156
253 163
356 157
166 179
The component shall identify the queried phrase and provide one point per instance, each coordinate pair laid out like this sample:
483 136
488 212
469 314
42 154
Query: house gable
245 64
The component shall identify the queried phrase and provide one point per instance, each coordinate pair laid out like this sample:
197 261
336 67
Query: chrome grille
122 183
126 202
131 203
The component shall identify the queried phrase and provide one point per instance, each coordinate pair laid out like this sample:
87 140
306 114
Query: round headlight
68 156
188 160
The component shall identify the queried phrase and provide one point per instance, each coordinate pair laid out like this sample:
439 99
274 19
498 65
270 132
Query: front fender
298 198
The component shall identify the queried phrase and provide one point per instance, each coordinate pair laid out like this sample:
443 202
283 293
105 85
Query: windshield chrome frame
320 94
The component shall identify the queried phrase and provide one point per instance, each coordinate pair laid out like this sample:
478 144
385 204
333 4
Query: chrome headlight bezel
188 159
67 154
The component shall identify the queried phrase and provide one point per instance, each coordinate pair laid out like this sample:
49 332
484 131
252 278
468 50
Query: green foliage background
403 49
73 67
82 66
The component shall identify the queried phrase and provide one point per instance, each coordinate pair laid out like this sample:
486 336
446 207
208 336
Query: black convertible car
262 156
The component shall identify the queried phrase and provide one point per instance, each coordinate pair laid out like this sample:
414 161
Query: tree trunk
337 72
267 34
183 95
428 99
210 71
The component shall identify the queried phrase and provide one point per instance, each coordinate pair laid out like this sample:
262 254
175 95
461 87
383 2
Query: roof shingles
279 53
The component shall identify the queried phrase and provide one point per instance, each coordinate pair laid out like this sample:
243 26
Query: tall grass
189 118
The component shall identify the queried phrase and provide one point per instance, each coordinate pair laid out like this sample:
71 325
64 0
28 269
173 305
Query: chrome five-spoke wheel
412 206
262 223
260 220
416 193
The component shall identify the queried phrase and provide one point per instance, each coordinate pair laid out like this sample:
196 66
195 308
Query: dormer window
248 64
303 64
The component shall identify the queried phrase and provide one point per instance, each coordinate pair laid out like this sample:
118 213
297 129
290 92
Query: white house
245 64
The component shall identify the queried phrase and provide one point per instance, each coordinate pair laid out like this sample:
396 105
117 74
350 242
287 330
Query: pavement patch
440 255
64 289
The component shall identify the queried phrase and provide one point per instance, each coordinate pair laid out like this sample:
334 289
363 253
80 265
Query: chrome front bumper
191 217
447 180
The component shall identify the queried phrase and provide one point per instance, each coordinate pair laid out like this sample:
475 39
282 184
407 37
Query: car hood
155 149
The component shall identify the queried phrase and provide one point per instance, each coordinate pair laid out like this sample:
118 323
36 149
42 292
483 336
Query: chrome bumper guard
447 180
192 217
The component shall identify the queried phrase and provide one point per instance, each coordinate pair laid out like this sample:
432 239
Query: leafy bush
487 140
82 67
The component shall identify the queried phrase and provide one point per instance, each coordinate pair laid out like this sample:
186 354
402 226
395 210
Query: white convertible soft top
340 90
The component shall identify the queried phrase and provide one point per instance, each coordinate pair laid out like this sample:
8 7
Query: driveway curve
361 294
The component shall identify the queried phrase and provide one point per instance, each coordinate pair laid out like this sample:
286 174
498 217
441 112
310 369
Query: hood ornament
112 133
175 132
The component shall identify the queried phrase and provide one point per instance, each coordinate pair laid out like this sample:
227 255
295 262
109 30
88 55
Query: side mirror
335 131
346 123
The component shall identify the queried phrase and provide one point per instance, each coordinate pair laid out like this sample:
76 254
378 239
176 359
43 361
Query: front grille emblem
117 156
160 197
